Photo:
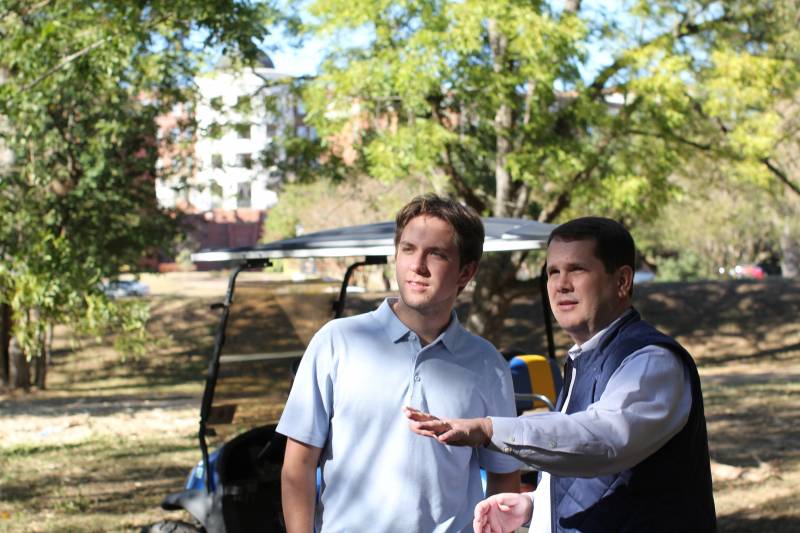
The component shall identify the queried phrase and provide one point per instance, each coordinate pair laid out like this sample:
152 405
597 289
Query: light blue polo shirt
355 377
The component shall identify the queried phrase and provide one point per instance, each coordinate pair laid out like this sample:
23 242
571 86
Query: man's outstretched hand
455 431
502 513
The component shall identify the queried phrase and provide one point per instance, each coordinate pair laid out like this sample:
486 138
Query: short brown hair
614 244
467 226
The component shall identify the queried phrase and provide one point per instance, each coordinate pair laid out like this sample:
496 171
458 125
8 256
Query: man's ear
624 281
467 272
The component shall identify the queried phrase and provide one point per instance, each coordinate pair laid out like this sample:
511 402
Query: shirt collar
592 343
396 330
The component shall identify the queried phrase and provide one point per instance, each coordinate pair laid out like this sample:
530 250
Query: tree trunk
20 368
491 299
790 253
5 339
43 357
40 368
503 123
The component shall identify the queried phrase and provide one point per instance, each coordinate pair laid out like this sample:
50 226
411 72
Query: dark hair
613 243
467 225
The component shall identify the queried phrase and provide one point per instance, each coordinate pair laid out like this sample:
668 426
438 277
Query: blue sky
298 62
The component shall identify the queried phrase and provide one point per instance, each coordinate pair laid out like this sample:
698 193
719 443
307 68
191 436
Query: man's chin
414 303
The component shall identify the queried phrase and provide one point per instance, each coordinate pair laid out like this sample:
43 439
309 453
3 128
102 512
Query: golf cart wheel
171 526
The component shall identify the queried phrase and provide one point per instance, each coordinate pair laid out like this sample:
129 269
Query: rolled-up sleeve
308 411
645 403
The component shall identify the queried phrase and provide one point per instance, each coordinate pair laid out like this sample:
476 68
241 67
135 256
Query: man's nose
562 283
419 263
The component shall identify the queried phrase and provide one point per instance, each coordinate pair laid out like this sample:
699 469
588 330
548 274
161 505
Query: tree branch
456 178
683 29
781 175
562 201
772 167
464 190
25 11
680 140
66 61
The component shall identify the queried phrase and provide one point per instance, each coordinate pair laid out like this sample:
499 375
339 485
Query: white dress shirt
645 403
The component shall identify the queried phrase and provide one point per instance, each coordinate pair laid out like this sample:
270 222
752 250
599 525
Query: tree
82 85
509 106
364 202
712 225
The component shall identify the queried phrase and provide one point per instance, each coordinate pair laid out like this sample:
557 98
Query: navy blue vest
671 489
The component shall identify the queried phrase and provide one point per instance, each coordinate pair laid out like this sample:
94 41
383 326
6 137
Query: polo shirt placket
414 377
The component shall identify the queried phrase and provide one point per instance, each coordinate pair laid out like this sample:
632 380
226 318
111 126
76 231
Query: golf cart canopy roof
502 235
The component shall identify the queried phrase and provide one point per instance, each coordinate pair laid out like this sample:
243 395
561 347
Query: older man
627 449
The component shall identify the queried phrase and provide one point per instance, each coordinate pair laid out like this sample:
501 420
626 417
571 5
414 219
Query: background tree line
675 117
82 84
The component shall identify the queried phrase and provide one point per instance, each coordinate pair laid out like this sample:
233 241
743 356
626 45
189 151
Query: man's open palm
453 431
502 513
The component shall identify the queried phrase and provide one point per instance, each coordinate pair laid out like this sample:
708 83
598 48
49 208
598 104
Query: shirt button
416 377
412 337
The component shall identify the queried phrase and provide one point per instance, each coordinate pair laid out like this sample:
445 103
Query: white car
122 288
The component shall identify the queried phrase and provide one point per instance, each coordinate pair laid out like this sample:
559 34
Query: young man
628 449
344 410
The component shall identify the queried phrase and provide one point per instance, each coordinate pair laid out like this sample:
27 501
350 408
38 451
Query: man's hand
502 513
456 431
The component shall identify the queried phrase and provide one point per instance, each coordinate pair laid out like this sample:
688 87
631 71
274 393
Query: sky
298 62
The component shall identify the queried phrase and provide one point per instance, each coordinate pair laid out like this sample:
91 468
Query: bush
685 266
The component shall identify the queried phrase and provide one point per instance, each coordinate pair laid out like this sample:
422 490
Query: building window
242 130
271 104
216 160
216 103
243 192
244 105
214 130
216 194
244 160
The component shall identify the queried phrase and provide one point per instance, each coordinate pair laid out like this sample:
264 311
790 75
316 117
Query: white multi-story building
240 114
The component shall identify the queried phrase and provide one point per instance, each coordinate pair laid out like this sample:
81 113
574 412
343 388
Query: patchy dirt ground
101 447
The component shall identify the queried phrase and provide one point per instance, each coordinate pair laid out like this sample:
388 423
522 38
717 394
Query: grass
97 483
108 440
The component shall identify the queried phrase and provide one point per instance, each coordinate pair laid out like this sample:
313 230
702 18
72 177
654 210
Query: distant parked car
643 276
747 272
121 288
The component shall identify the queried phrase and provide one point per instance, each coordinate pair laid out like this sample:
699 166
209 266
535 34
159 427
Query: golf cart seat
537 382
249 470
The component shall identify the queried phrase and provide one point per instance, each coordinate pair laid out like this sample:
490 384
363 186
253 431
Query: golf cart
236 488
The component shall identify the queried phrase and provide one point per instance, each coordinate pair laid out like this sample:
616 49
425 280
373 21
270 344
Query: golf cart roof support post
213 363
547 313
338 305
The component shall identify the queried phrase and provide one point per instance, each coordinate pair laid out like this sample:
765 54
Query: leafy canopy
82 84
548 109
